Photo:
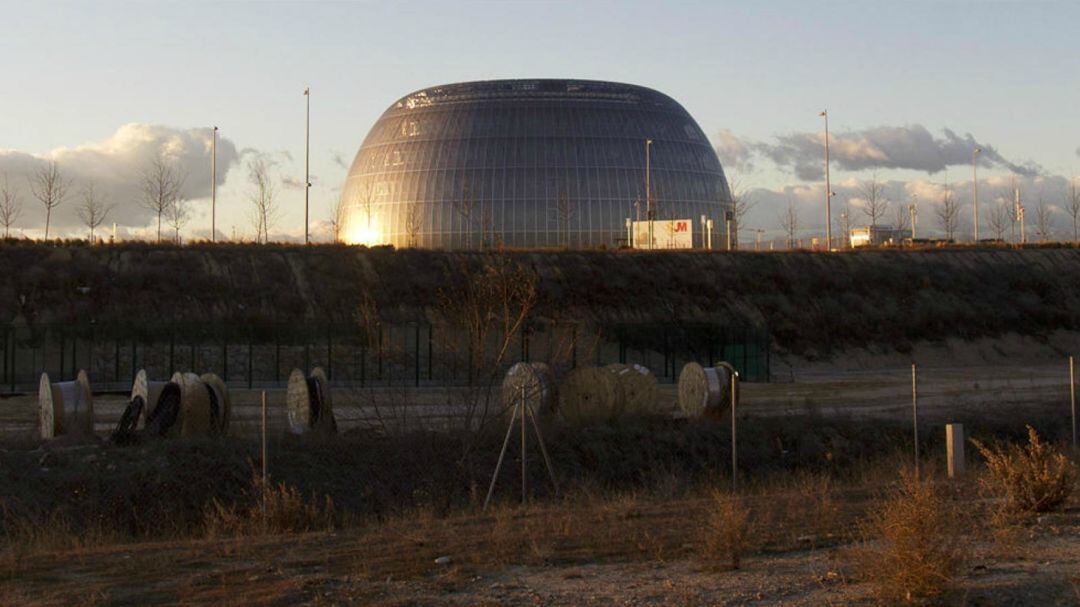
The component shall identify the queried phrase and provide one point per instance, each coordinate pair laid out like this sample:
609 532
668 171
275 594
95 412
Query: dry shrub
727 530
276 509
55 531
911 548
816 493
1036 477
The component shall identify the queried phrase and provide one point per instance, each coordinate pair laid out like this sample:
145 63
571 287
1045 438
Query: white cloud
115 166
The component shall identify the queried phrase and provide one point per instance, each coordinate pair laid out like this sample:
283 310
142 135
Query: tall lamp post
648 191
307 162
213 186
975 191
913 208
828 185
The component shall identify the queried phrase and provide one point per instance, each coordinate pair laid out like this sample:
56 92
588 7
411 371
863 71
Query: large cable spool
538 383
705 390
309 404
635 388
196 407
144 397
220 405
65 407
588 395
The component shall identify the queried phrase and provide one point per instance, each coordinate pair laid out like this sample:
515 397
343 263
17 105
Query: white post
265 488
954 447
734 434
708 230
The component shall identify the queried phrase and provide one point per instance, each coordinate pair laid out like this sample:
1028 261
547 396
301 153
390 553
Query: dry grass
1036 477
912 546
276 509
727 530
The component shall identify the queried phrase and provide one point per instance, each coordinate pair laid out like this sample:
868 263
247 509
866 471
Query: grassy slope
808 300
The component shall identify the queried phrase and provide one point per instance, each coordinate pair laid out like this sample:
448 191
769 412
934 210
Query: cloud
734 153
885 147
911 147
115 167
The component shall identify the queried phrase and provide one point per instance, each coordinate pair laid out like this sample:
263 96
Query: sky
910 88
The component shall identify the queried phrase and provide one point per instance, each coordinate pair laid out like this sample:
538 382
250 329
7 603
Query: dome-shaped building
529 163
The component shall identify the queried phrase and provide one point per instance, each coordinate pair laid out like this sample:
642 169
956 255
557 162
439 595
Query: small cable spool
309 404
220 405
587 395
65 407
704 390
635 388
196 413
539 384
146 392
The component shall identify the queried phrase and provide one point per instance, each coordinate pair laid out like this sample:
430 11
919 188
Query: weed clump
1036 477
727 530
276 509
911 548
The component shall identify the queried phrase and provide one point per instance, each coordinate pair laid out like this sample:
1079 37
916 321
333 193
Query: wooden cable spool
65 407
220 405
196 415
587 395
636 391
309 404
148 392
539 384
704 390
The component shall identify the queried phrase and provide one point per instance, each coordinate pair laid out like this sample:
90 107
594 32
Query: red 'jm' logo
680 226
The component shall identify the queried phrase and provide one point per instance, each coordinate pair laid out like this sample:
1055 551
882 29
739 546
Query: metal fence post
915 417
1072 399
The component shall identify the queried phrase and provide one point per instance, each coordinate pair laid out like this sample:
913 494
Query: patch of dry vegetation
912 546
1036 477
276 509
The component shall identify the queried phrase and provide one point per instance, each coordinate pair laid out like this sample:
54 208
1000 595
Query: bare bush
1032 478
727 530
911 545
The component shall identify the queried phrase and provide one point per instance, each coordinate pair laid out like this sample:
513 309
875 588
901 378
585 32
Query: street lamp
307 163
828 185
913 208
648 192
975 191
213 186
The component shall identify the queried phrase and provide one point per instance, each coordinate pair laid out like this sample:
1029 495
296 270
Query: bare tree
875 204
177 215
337 218
92 209
903 220
948 214
1044 221
843 221
414 223
741 203
566 209
999 220
263 199
365 199
789 223
464 206
161 184
10 206
1072 207
50 188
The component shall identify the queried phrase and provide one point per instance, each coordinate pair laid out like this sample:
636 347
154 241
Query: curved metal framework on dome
529 163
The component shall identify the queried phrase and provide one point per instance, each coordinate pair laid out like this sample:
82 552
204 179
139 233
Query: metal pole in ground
734 433
264 476
502 454
915 416
524 477
1072 399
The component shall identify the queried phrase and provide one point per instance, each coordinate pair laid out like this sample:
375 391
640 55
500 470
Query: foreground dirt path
351 568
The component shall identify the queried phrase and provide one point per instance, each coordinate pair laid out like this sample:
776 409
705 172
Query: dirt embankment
810 302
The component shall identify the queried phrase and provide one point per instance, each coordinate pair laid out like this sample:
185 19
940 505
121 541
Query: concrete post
954 445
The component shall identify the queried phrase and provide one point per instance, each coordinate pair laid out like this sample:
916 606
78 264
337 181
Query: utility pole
648 192
307 163
975 190
213 186
828 184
